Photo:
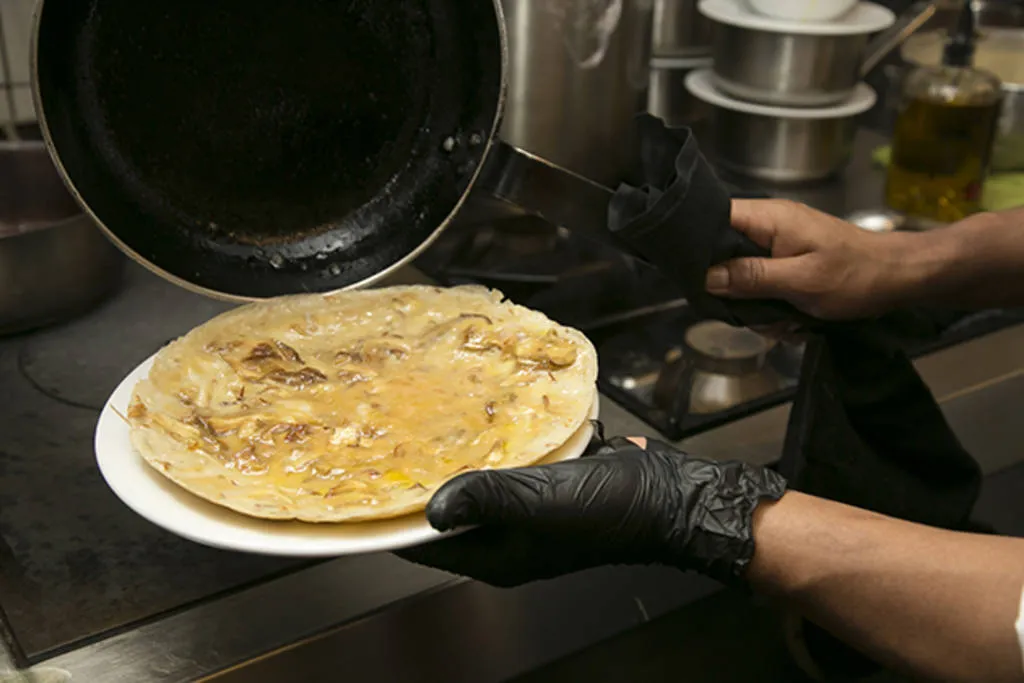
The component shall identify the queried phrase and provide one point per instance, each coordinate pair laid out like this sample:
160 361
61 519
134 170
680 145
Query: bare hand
824 266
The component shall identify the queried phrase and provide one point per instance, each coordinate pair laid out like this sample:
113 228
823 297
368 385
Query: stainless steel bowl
803 65
54 262
782 150
785 68
777 144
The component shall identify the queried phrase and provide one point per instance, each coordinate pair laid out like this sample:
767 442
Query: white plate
803 10
866 17
167 505
701 85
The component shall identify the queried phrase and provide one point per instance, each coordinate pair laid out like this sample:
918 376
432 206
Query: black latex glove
621 505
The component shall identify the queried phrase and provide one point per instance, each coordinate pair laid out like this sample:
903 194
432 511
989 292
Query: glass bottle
945 128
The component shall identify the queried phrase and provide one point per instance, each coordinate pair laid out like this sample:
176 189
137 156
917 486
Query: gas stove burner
80 363
720 342
719 368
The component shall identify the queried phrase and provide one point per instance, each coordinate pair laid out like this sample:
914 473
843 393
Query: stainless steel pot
668 98
759 61
782 150
578 75
680 30
54 262
781 145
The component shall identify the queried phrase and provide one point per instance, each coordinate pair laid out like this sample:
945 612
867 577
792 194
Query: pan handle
569 200
537 186
906 25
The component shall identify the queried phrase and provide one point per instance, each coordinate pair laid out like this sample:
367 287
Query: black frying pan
250 148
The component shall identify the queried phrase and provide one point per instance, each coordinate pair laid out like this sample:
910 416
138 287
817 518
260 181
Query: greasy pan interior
251 148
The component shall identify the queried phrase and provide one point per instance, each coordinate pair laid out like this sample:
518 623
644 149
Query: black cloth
864 428
677 218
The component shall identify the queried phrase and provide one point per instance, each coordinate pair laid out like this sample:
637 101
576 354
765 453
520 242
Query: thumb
755 278
489 497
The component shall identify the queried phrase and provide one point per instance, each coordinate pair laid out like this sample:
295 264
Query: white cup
803 10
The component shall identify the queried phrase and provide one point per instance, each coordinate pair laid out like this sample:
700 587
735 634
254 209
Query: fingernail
718 279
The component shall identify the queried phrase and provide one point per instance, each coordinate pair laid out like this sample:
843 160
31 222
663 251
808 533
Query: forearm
976 263
938 604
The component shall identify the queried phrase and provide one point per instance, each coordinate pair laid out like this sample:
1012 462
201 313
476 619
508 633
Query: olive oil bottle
944 132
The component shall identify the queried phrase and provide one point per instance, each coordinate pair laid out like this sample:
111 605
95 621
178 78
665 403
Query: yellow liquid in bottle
940 151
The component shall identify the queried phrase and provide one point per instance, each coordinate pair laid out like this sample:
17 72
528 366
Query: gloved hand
622 505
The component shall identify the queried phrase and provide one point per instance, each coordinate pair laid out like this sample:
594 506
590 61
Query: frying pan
252 148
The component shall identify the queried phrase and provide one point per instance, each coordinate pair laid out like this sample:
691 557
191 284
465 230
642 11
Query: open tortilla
358 405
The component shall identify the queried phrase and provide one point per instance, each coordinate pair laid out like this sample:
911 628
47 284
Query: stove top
638 320
75 563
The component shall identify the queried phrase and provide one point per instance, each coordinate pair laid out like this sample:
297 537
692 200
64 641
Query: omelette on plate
357 406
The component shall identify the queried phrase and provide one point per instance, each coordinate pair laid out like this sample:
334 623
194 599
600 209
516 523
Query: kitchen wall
17 27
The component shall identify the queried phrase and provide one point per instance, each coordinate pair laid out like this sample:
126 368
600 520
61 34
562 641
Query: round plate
865 17
167 505
701 85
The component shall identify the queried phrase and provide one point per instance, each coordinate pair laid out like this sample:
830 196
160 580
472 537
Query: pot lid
864 18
